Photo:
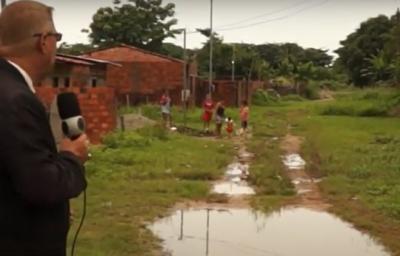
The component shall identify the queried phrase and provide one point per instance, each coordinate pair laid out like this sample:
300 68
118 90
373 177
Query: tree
141 23
378 69
272 53
303 74
368 40
395 70
248 63
75 49
318 57
281 55
172 50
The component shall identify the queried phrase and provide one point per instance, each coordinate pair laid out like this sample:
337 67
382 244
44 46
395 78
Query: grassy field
136 177
352 142
266 171
355 147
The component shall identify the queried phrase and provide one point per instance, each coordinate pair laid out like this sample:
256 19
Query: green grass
266 169
356 153
368 103
137 176
360 157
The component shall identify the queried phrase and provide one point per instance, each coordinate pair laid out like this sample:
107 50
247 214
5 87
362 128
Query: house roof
152 53
83 60
64 59
133 48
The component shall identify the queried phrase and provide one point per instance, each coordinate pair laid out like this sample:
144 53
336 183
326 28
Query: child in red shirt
208 108
229 126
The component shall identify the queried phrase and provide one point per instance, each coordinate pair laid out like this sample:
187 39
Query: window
94 82
55 82
66 82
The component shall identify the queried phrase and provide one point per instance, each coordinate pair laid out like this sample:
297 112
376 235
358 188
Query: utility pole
184 81
208 232
3 4
211 49
181 234
233 63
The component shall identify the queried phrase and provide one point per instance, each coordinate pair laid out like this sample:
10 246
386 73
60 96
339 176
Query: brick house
74 71
144 75
86 78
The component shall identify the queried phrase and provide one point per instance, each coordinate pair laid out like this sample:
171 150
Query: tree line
368 56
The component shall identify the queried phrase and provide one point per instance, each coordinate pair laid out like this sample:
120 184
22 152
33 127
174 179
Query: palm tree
378 67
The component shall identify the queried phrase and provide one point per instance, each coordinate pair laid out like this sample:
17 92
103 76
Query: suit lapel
5 65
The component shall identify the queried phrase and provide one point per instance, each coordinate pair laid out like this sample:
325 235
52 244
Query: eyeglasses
58 36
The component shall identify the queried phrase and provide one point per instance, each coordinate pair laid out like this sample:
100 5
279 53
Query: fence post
122 121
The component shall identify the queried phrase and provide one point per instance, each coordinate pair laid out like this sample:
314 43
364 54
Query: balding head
19 21
28 37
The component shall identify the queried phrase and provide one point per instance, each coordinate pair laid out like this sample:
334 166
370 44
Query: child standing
244 115
219 117
165 104
208 107
229 127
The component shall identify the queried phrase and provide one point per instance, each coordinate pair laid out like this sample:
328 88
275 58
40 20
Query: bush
369 103
292 97
263 98
311 91
338 110
377 110
371 96
333 85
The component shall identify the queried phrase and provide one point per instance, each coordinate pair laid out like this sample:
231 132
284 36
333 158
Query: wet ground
306 186
234 182
236 232
303 229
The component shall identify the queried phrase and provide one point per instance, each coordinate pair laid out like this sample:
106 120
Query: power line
270 20
263 15
278 18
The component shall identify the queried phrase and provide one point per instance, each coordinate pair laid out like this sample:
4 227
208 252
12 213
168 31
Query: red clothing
163 99
207 116
208 107
229 127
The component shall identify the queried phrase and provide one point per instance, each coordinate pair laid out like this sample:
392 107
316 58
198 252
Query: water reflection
234 183
294 162
239 232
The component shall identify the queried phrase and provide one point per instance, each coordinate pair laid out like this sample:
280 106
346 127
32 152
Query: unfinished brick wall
97 105
231 93
143 75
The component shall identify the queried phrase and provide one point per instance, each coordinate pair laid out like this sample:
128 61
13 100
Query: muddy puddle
236 232
234 182
303 229
294 162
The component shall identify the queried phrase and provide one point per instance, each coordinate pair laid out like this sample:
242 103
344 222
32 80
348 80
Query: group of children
219 109
209 110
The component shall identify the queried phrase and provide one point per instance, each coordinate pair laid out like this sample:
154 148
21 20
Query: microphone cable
80 224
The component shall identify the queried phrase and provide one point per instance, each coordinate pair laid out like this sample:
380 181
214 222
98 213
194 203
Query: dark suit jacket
36 182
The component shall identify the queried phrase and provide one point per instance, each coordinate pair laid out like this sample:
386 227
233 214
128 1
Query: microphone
73 124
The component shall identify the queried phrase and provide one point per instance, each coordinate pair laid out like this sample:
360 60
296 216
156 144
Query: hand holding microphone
78 147
73 126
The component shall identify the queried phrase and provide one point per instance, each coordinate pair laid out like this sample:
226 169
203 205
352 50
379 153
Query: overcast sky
310 23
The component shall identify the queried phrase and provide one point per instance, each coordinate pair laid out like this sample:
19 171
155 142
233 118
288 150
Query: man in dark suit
36 181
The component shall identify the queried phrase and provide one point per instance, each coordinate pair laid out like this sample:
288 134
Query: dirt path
237 201
309 195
